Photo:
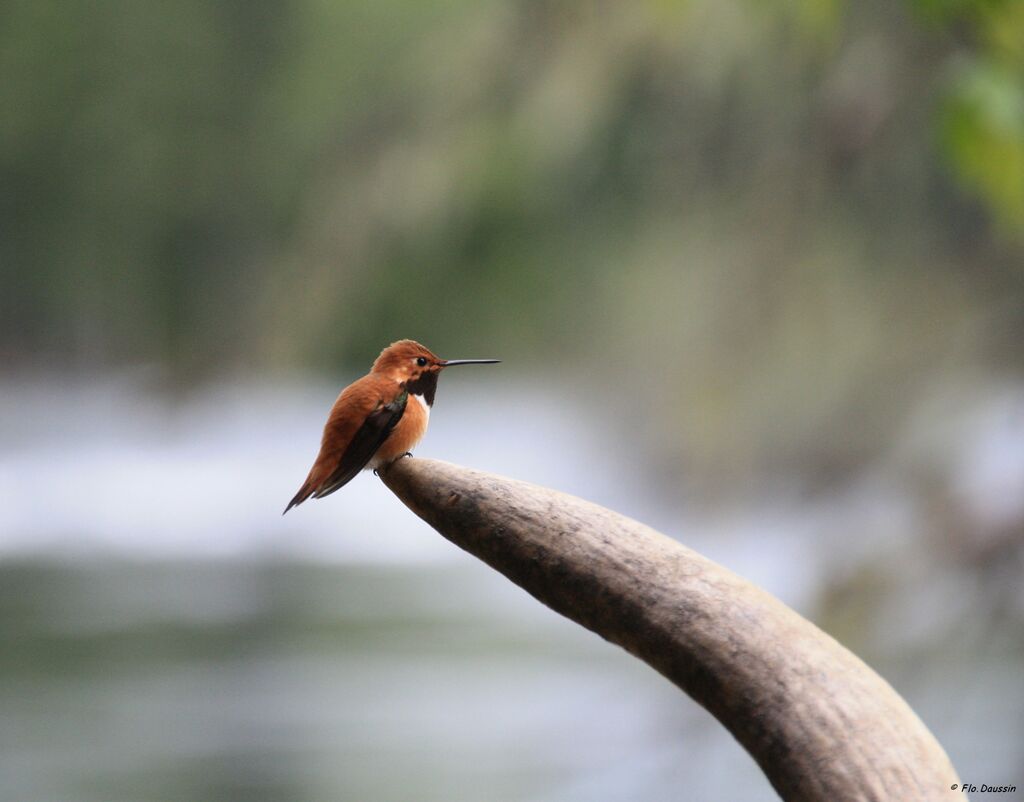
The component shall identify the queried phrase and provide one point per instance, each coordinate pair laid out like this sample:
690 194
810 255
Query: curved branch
819 722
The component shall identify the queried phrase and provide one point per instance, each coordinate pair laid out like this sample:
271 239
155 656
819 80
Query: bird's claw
377 471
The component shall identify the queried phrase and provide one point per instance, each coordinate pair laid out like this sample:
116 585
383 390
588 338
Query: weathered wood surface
820 723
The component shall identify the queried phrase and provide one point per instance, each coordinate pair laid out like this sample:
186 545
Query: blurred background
756 275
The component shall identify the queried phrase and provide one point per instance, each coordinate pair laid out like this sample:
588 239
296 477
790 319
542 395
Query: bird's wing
360 420
367 439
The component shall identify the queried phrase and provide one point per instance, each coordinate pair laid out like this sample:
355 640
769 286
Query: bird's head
407 362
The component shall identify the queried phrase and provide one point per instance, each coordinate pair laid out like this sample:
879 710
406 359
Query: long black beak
447 363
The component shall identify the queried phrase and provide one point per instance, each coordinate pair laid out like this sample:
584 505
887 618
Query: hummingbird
378 418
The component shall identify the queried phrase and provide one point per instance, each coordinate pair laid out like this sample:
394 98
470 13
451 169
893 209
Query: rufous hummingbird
378 418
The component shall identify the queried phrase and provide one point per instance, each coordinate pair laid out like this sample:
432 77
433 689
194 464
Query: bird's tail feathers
304 492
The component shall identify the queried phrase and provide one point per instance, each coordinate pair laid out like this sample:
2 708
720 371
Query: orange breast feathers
406 434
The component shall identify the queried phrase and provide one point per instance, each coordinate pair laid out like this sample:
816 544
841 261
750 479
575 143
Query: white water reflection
106 467
111 469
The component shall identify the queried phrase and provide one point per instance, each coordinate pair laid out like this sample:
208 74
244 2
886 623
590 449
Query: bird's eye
421 361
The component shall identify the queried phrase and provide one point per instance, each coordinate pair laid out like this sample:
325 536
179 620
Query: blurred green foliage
775 217
206 182
153 158
983 114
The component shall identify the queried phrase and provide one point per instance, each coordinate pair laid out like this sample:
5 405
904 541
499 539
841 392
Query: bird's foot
382 468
